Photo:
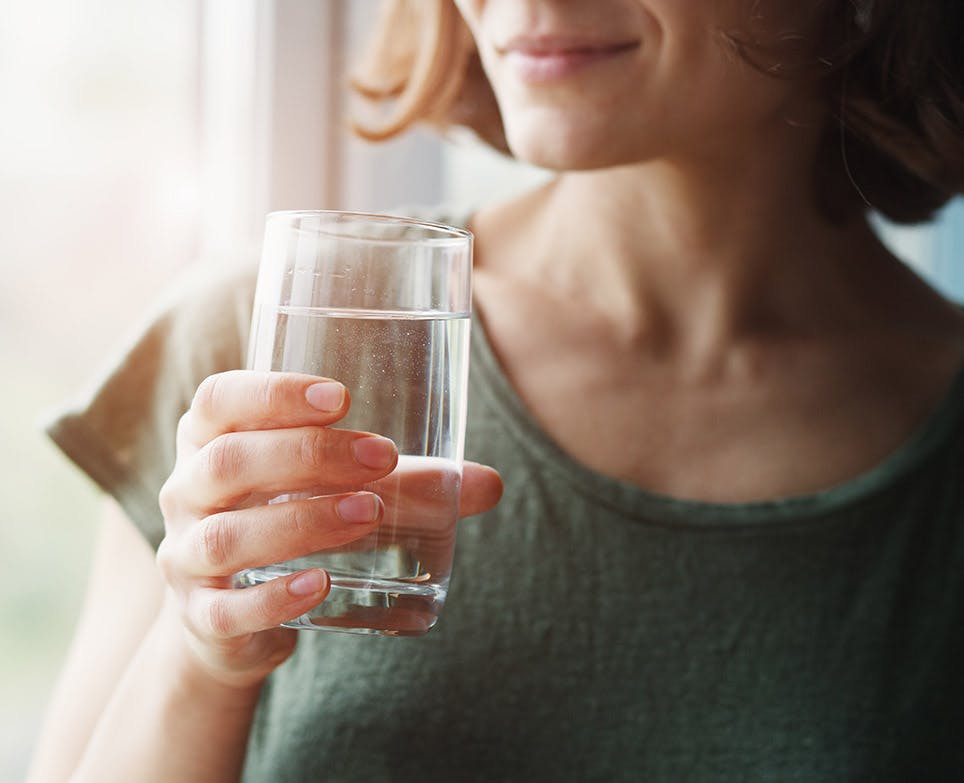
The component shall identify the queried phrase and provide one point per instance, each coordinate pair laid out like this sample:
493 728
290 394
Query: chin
561 146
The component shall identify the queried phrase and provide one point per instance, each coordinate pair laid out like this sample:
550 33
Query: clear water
406 375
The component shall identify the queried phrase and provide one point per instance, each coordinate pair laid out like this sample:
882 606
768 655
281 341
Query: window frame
273 105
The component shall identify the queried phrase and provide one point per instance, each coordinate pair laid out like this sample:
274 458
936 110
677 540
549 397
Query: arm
124 662
180 655
165 671
167 719
93 666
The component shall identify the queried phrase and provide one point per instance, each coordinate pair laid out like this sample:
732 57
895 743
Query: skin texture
720 338
677 89
673 308
192 662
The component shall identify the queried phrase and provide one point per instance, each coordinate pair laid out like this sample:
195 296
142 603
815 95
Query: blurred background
137 139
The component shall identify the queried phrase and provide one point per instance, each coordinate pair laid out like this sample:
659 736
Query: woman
729 422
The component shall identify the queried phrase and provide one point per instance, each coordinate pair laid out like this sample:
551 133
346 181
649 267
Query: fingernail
308 583
326 396
374 452
362 507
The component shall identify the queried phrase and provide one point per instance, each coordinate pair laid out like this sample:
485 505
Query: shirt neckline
656 507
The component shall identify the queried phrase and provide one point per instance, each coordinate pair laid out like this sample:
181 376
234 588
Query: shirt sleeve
121 432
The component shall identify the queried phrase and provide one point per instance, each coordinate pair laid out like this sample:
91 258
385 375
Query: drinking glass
381 304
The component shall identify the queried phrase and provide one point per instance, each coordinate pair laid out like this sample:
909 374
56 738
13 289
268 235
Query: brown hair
894 72
422 63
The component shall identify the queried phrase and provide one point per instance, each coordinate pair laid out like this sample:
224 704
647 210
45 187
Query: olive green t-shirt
595 631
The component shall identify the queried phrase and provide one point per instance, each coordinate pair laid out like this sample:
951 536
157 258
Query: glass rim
453 235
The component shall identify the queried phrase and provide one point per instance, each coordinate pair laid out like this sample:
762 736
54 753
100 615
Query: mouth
545 59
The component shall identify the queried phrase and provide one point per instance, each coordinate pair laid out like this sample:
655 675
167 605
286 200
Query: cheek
684 91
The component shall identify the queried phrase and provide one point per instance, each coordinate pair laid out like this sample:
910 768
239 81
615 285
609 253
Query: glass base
383 607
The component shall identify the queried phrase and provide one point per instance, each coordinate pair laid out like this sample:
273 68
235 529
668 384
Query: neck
699 252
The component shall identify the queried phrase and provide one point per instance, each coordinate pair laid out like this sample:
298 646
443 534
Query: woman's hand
249 436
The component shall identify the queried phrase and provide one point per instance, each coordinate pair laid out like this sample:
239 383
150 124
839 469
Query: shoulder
458 215
204 318
209 294
197 325
120 429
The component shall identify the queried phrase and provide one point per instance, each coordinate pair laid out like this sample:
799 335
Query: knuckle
271 393
218 619
314 448
267 608
222 458
164 557
216 542
166 497
210 394
183 428
300 520
169 496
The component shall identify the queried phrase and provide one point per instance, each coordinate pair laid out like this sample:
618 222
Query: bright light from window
98 207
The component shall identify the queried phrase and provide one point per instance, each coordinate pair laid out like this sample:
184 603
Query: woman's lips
542 60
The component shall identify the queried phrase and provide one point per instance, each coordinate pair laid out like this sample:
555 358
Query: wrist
167 698
195 673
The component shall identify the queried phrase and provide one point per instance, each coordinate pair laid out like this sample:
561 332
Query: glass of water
381 304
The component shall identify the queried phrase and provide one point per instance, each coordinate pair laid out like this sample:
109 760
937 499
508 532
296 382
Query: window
148 135
936 250
98 195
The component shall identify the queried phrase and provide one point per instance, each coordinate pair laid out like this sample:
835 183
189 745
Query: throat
656 282
783 417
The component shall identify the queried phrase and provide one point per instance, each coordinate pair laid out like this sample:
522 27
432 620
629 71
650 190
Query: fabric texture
595 631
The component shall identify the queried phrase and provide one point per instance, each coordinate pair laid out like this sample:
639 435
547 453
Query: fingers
243 400
223 614
481 489
225 543
249 436
234 465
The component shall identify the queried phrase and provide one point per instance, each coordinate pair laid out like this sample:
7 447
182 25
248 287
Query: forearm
168 720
